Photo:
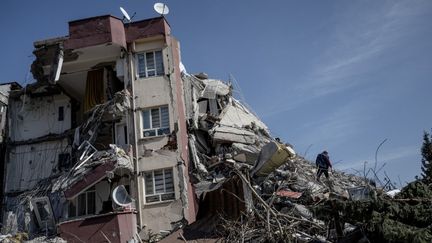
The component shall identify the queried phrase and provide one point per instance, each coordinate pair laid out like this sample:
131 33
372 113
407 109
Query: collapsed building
116 142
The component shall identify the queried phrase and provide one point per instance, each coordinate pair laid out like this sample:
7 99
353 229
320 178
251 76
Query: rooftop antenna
126 15
161 8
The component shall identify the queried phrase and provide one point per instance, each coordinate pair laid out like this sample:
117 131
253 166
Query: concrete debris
279 194
46 239
111 161
282 200
15 238
359 193
11 225
271 157
223 135
289 194
213 88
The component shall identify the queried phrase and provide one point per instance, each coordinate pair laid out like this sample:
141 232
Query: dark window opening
64 161
61 113
125 135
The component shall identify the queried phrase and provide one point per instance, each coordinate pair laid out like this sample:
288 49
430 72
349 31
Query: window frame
145 73
75 200
159 195
158 131
49 219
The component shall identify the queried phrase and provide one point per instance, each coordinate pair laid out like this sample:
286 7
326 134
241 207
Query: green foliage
416 189
407 218
426 151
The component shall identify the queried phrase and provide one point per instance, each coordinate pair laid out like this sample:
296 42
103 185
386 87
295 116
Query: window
43 212
155 121
159 185
150 64
84 204
61 113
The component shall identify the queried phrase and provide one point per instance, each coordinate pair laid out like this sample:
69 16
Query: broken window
84 204
159 185
150 64
155 121
43 212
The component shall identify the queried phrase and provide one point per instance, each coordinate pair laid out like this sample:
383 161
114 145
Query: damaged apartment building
97 146
116 142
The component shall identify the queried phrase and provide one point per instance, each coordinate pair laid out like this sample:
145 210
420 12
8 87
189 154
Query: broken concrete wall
162 218
238 115
34 117
188 195
32 217
28 164
226 128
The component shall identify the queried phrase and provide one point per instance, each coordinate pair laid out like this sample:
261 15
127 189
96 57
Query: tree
426 151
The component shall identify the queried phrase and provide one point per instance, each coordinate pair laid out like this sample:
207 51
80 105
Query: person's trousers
321 171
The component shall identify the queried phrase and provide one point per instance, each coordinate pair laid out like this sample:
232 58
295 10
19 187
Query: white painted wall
28 164
38 117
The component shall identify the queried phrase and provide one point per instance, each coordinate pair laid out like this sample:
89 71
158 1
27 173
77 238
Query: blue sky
335 75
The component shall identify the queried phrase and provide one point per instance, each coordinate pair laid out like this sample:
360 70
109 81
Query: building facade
106 114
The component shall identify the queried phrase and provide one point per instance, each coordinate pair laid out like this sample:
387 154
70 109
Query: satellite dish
121 197
161 8
125 14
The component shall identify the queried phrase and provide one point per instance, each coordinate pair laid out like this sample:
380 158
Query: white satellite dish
121 197
125 14
161 8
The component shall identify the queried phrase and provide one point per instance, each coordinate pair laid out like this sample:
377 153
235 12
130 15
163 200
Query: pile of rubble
261 191
290 206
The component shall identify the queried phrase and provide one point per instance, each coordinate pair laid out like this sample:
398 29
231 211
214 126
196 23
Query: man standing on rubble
323 164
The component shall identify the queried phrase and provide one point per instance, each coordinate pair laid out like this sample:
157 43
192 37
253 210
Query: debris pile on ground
262 191
297 209
283 203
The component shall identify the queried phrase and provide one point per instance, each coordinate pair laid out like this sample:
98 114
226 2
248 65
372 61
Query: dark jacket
323 161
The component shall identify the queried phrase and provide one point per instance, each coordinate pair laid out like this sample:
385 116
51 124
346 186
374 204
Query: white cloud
359 43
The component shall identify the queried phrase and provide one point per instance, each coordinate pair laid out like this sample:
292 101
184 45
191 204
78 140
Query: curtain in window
94 93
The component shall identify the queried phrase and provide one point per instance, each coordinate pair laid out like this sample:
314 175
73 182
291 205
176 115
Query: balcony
110 227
